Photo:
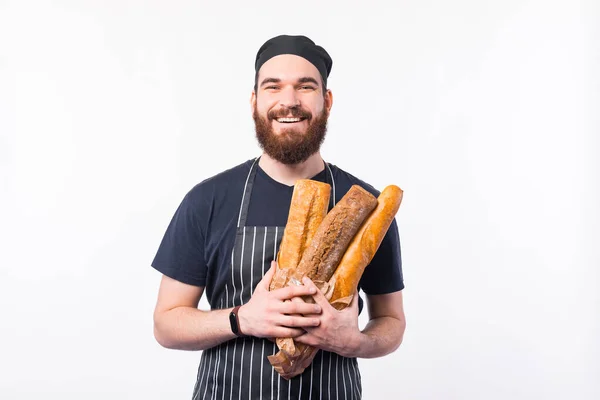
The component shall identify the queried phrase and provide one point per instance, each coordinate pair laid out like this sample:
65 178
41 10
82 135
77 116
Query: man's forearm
380 337
187 328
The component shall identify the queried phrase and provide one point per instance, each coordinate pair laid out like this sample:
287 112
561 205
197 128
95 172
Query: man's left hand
338 331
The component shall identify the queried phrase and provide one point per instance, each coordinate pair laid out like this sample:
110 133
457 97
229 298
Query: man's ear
253 101
328 100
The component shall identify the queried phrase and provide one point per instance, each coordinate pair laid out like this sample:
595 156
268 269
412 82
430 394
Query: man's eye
271 87
307 87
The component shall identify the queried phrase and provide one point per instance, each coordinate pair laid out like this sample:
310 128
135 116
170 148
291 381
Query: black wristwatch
235 322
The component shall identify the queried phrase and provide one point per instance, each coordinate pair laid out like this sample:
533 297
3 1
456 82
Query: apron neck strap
247 192
332 183
250 183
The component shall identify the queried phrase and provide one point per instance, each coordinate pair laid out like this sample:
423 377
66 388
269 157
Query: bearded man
224 237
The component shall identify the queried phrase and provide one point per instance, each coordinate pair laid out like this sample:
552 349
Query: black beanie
297 45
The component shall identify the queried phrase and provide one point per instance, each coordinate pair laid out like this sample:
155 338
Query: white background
484 112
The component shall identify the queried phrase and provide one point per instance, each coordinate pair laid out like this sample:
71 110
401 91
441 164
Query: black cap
297 45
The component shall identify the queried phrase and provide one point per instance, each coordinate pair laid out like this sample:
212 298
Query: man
224 237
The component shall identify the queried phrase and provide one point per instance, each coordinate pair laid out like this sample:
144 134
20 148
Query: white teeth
288 119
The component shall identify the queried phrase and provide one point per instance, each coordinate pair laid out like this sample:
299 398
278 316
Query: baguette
308 208
345 279
363 247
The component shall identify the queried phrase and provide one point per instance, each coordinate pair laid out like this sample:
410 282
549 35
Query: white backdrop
484 112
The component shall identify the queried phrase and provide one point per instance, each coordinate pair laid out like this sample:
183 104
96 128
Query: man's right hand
272 314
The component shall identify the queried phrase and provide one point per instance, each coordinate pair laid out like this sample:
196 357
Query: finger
280 308
307 300
354 302
318 295
293 309
285 332
298 307
266 279
289 292
308 339
294 321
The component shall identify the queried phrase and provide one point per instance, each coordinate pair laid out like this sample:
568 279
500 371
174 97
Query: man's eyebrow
270 80
308 79
305 79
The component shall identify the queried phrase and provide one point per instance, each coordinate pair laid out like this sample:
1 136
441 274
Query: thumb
354 302
268 276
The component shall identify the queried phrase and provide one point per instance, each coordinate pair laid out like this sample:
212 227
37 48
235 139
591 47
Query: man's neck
289 174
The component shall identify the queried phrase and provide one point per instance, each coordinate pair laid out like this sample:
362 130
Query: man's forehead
288 67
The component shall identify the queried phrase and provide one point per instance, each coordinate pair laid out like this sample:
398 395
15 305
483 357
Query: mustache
294 112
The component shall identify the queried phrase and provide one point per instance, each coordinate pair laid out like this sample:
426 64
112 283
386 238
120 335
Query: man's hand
269 314
338 331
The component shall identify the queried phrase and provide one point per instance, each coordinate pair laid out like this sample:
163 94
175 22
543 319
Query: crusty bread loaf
362 249
344 282
321 257
308 208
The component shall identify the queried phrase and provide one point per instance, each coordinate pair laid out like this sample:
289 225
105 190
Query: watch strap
235 322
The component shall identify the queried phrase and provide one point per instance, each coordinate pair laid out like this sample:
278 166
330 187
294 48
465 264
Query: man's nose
289 98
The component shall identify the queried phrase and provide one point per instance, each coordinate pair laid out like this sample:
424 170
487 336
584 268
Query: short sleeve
181 252
384 274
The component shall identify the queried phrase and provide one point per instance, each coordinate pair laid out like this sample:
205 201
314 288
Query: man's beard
290 146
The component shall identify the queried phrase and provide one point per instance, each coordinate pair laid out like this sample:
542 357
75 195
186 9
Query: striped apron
239 369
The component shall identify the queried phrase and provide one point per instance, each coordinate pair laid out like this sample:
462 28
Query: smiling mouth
289 120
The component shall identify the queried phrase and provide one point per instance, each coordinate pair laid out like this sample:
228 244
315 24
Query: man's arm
385 330
339 332
179 324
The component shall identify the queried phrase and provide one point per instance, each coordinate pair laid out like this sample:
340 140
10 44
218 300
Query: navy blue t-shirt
196 248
